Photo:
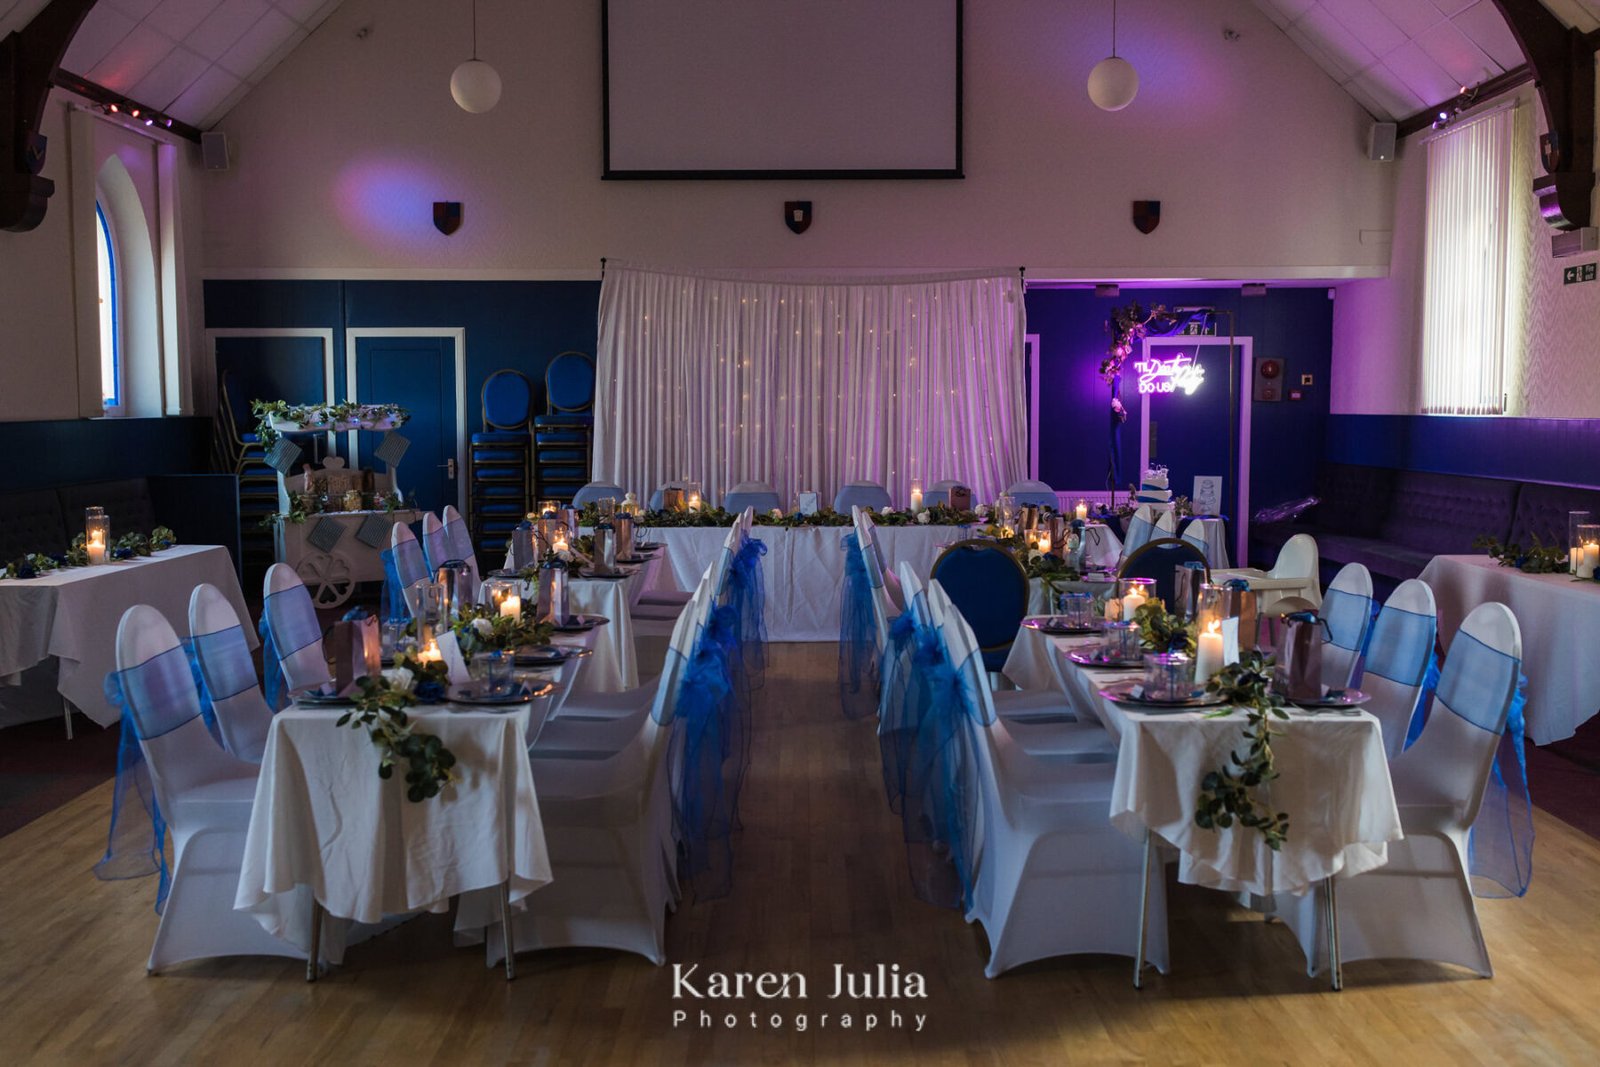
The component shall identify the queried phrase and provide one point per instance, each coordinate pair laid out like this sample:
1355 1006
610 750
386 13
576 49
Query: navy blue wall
520 325
1295 325
1562 451
72 451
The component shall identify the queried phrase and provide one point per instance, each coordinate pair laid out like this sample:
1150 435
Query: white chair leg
66 715
1144 914
505 930
1334 971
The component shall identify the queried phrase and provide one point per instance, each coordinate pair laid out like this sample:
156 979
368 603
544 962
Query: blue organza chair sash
435 549
710 737
747 596
1474 688
1400 647
403 567
858 667
1348 617
288 624
896 703
156 697
223 665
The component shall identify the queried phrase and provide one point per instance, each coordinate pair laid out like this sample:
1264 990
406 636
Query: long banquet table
1560 621
803 569
72 614
1333 780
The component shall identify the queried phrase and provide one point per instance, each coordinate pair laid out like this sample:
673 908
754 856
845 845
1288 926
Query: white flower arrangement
484 627
922 518
399 678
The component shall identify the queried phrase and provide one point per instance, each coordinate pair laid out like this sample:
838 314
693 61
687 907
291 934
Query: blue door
419 374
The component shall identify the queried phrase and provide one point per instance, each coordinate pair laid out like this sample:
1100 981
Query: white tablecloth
1560 621
803 568
615 663
73 615
323 819
1333 781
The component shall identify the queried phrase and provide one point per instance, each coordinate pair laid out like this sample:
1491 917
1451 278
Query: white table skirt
73 615
1333 781
803 569
1560 621
323 819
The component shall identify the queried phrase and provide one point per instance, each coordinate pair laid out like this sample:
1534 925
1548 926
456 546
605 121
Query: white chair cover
228 673
1401 667
291 636
1347 612
435 545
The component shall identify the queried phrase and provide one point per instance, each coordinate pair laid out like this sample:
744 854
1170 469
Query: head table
1560 621
72 614
803 570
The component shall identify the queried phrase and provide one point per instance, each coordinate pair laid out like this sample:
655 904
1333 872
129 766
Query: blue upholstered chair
758 495
940 493
860 495
562 436
498 465
990 587
595 492
1036 493
1159 559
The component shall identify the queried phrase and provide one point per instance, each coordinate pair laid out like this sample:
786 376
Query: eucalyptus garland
313 415
1162 631
481 628
1228 794
380 710
1536 559
128 546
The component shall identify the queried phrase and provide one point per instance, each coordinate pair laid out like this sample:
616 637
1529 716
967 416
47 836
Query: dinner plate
1131 693
1057 625
1089 656
325 700
548 655
472 694
594 577
1336 698
577 624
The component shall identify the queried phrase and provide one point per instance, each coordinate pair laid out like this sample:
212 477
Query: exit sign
1575 274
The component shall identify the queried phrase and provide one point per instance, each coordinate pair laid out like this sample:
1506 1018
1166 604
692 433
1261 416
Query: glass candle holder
1080 510
1589 550
1120 642
1168 676
1134 594
1576 520
548 509
96 534
1233 599
693 496
503 594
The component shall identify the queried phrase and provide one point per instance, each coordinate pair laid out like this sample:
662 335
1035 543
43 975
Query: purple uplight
389 201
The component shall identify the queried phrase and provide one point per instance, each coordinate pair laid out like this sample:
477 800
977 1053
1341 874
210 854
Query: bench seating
202 509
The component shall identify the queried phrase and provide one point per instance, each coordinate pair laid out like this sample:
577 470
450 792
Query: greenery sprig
1537 559
1228 794
1162 631
480 628
380 710
128 546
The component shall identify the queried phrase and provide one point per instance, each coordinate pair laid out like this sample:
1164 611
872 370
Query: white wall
1377 324
1256 156
49 344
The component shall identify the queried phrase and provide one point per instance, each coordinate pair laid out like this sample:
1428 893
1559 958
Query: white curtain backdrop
726 377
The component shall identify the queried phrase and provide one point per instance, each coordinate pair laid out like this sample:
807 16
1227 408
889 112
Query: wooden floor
820 880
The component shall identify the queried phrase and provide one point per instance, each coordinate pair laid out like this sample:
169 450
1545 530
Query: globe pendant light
475 84
1113 83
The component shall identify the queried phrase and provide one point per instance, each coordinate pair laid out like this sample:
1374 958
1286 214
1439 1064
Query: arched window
110 320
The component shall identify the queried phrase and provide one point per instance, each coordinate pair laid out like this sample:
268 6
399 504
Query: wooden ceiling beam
29 58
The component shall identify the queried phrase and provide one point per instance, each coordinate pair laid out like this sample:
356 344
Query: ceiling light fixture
1113 83
475 84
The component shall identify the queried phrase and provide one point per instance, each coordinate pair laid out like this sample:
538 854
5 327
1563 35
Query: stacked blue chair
498 465
563 435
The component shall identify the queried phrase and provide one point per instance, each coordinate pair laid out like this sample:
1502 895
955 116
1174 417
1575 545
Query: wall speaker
1268 380
1381 142
214 150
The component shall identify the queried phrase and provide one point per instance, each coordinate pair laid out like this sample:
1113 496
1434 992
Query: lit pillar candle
431 654
96 547
694 501
511 607
916 499
1044 543
1591 559
559 544
1208 654
1131 605
1081 511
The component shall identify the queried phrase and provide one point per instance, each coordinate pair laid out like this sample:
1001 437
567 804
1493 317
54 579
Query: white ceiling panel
1397 57
191 58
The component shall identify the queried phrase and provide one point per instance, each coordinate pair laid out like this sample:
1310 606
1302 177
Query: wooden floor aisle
820 880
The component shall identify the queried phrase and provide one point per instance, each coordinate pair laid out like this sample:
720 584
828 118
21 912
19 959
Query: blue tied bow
858 667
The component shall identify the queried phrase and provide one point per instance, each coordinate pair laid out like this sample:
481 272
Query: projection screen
782 88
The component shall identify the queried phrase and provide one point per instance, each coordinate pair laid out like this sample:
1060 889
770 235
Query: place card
1230 640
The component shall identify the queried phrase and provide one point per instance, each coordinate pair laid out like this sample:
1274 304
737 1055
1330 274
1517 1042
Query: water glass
492 671
389 637
1121 641
1168 676
1076 609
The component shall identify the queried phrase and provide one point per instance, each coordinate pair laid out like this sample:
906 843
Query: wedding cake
1153 487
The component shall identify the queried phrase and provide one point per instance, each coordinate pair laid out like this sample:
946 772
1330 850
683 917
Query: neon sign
1170 375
